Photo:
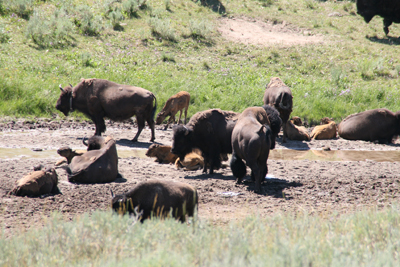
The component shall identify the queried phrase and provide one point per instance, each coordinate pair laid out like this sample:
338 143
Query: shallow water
276 154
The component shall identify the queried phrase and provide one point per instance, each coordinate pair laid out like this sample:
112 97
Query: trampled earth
302 176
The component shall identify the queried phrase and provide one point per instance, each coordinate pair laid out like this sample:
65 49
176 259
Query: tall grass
366 238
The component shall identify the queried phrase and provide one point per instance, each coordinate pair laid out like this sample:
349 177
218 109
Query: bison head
160 117
64 102
182 141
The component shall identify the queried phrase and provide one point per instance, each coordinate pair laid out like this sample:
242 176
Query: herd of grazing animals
203 142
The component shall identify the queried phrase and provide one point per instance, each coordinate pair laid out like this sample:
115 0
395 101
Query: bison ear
62 90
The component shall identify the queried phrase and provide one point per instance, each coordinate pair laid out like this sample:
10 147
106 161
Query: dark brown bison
99 98
389 10
175 103
37 183
162 153
252 141
158 198
278 95
95 166
210 131
372 125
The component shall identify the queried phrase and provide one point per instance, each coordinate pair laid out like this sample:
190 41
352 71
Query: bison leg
284 132
171 119
100 125
151 124
140 122
238 168
180 115
258 172
186 110
386 24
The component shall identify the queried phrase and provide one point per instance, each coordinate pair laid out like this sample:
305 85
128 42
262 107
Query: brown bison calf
325 131
192 161
37 183
294 130
68 154
174 104
158 198
161 153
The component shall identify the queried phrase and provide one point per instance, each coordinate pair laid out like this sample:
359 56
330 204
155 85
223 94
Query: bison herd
204 142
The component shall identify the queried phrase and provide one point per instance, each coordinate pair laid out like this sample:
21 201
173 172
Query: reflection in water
276 154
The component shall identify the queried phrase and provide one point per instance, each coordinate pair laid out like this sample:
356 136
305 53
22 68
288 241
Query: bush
4 37
200 29
116 17
131 7
50 32
22 8
162 29
87 22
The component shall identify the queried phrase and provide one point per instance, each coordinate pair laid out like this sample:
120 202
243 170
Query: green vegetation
169 46
366 238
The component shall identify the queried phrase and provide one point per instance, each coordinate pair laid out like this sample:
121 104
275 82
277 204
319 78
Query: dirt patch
256 32
311 186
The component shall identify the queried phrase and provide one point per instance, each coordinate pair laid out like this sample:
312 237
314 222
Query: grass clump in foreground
366 238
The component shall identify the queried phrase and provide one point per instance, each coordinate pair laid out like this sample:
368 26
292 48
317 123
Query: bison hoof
134 140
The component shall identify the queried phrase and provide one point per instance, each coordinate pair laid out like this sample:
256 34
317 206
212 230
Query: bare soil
311 186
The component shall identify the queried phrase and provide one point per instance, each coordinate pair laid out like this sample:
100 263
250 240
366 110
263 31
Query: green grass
366 238
170 46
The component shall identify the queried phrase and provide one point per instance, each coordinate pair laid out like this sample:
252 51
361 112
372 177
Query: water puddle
276 154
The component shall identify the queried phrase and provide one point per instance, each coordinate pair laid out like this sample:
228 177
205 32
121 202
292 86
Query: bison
372 125
278 95
68 154
389 10
162 153
210 131
251 141
37 183
192 161
325 131
99 98
95 166
295 131
158 198
175 103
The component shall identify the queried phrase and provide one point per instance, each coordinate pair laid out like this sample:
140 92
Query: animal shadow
129 143
273 187
214 5
215 175
386 40
293 144
120 179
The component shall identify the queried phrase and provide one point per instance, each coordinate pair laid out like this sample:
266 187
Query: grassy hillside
367 238
167 46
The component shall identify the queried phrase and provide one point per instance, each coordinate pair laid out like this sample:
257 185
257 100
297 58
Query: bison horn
71 85
62 90
83 141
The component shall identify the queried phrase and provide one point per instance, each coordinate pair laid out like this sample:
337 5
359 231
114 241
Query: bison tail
153 112
238 167
286 98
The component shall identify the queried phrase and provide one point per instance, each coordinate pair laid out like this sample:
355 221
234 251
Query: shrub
200 29
116 17
266 3
131 7
87 22
22 8
162 29
4 37
50 32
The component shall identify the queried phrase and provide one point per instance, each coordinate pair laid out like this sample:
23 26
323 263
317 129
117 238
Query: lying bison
327 130
251 141
95 166
389 10
162 153
372 125
68 154
37 183
158 198
210 131
99 98
294 130
278 95
175 103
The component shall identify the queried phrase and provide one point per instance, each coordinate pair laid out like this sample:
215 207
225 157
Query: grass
366 238
170 46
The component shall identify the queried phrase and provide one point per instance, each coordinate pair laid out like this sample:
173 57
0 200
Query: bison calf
295 132
37 183
161 153
175 103
158 198
325 131
68 154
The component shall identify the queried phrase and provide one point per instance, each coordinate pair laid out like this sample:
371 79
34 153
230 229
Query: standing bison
278 95
389 10
210 131
372 125
158 198
175 103
99 98
252 139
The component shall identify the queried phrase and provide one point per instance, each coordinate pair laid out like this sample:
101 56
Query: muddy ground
312 186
